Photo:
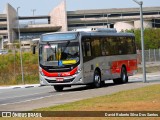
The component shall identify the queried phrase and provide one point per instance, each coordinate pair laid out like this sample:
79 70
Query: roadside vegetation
151 38
10 69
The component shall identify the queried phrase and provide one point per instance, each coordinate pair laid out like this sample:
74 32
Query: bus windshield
59 54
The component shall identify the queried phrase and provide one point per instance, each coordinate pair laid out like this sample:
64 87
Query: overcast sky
43 7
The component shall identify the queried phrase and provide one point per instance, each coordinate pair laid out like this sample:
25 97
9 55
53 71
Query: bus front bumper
76 79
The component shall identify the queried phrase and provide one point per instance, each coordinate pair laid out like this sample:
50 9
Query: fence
152 59
151 55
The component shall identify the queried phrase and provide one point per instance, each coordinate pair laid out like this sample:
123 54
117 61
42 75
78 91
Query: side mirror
34 50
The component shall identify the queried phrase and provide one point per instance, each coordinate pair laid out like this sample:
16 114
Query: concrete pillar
146 24
119 26
59 16
11 22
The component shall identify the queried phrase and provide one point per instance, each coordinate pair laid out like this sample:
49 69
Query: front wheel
97 79
58 88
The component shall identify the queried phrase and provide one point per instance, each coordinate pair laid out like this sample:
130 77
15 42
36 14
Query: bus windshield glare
59 54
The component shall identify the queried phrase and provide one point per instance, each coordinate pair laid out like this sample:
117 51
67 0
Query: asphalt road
25 99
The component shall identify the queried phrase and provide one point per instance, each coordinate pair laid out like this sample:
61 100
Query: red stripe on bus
60 74
130 65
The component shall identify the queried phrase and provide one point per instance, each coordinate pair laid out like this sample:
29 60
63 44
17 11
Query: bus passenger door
87 60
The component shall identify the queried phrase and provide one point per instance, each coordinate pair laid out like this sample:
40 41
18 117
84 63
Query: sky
43 7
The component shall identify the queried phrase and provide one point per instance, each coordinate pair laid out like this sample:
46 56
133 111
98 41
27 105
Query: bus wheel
97 79
58 88
124 77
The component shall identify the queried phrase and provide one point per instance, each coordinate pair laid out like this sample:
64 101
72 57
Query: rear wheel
58 88
123 78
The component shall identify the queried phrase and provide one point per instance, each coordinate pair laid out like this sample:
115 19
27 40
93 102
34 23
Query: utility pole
33 10
142 39
20 48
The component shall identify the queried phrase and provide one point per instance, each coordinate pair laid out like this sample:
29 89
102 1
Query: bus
86 57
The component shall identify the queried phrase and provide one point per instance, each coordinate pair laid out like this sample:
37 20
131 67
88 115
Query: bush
151 38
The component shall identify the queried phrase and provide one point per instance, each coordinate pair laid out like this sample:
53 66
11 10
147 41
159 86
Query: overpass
35 17
121 18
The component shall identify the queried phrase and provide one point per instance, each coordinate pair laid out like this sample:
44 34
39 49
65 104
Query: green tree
151 38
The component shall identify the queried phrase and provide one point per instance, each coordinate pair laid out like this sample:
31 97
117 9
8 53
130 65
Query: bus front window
63 53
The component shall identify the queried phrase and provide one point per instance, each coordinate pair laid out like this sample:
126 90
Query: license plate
59 79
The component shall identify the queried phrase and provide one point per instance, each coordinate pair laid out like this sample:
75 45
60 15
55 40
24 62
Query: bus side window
123 45
87 49
83 50
86 46
105 46
96 49
131 45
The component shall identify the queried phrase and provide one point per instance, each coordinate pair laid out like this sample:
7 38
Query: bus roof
95 32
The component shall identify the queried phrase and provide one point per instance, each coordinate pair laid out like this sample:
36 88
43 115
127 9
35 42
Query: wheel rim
97 80
124 76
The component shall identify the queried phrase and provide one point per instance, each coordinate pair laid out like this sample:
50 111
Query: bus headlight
78 71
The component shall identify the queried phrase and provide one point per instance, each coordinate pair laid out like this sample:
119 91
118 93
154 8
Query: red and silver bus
86 57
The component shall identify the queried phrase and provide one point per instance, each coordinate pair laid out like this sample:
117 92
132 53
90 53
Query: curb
20 86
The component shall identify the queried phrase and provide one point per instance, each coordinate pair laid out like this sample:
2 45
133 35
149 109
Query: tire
58 88
103 83
123 78
97 79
